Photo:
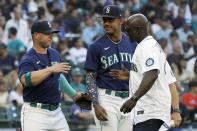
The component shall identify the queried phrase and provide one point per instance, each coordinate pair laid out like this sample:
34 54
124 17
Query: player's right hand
60 68
100 112
128 106
120 74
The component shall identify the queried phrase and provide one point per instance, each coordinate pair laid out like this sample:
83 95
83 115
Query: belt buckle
39 105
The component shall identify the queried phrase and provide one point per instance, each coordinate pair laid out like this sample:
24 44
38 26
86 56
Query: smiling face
111 25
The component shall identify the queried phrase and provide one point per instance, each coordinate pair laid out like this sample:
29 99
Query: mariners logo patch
149 62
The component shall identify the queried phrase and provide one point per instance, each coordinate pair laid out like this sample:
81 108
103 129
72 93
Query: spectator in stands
178 21
7 61
188 47
190 99
3 95
163 44
60 5
165 30
176 56
72 22
41 13
156 25
78 52
91 30
184 31
175 5
151 9
63 49
57 25
171 42
184 4
77 78
190 64
7 8
33 10
136 5
79 115
16 95
2 26
195 72
195 44
2 22
15 46
20 24
194 15
184 76
194 10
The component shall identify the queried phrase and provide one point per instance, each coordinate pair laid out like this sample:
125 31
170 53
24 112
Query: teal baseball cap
76 71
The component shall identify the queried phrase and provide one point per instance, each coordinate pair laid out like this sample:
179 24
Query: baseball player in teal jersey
112 51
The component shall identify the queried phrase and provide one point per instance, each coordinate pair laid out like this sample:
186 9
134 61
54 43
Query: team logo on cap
108 10
49 24
149 62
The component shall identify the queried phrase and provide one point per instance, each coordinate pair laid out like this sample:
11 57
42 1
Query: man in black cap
39 73
112 51
8 62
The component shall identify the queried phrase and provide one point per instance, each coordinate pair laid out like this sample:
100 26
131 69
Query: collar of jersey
146 38
114 41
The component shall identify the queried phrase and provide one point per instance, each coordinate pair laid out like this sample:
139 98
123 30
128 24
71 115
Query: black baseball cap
112 11
42 26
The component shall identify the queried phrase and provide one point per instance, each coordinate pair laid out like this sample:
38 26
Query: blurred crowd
172 22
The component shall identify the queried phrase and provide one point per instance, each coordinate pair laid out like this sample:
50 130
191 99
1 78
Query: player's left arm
175 116
66 88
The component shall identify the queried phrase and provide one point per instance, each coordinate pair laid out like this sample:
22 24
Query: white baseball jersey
156 103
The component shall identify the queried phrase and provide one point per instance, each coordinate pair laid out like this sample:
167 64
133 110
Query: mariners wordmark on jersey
113 59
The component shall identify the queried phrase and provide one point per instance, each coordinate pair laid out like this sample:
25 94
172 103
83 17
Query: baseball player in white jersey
170 78
149 88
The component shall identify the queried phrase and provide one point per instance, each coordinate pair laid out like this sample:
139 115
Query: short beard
111 33
44 45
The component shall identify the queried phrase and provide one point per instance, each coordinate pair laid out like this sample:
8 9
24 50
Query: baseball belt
122 94
49 107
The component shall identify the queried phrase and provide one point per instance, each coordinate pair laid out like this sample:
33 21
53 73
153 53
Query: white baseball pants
37 119
117 121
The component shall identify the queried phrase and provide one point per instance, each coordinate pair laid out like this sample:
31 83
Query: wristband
65 86
176 110
134 97
28 79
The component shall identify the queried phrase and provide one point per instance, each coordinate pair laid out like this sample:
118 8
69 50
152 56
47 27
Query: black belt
50 107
